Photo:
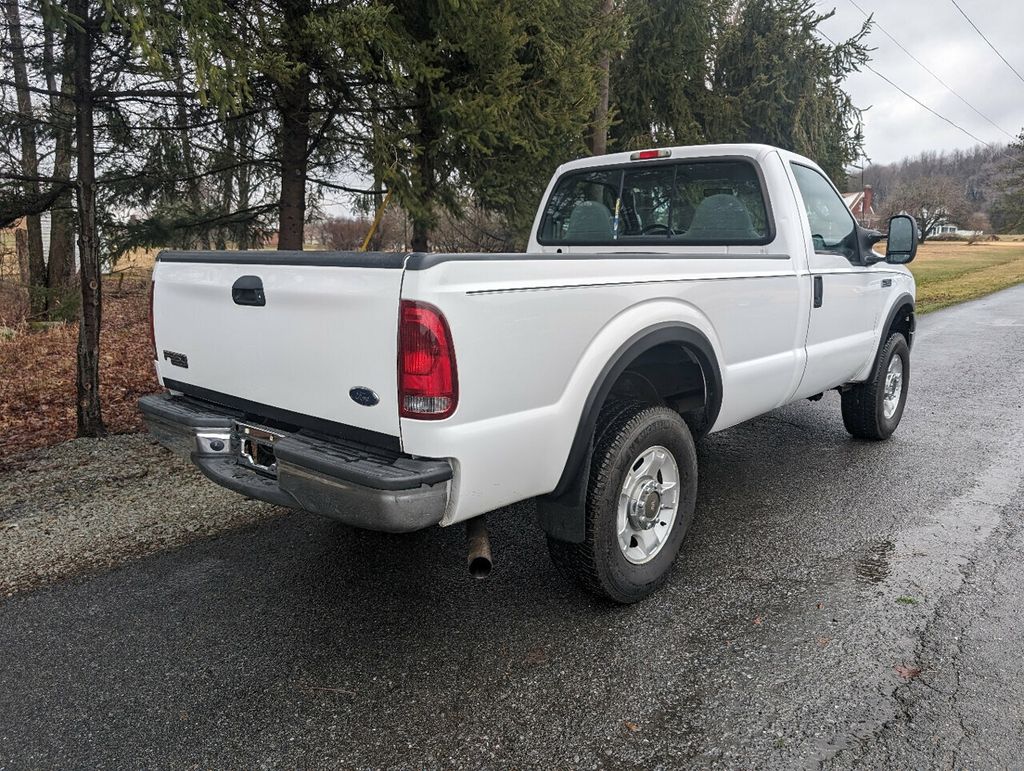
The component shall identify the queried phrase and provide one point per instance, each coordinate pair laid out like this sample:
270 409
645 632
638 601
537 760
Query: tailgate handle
248 290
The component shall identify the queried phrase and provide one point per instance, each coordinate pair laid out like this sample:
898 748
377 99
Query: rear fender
562 511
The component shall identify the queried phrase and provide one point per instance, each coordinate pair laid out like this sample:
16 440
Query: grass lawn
950 272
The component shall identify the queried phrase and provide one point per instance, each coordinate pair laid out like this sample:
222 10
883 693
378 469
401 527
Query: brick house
862 206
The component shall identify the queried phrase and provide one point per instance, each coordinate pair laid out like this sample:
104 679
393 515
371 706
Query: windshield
686 202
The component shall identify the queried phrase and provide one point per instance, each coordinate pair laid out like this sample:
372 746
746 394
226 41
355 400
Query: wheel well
903 321
671 363
669 374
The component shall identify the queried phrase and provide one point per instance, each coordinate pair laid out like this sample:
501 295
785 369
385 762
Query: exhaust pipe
478 557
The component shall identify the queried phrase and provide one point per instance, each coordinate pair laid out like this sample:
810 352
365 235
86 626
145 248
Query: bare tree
61 259
979 224
90 419
932 201
29 157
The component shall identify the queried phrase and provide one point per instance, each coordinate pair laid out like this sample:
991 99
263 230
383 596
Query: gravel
92 504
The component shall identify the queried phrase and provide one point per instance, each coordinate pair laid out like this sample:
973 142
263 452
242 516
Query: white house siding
44 225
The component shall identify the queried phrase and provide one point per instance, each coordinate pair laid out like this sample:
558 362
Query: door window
833 229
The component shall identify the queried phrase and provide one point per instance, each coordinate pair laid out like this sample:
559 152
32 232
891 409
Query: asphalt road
836 603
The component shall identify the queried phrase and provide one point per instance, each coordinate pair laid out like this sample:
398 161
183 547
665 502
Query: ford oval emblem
364 396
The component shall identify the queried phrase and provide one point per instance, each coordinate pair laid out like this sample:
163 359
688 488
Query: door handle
819 290
248 290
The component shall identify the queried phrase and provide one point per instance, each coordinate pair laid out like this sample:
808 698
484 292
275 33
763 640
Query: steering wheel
656 228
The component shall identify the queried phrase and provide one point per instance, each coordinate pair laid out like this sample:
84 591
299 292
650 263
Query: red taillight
152 329
428 386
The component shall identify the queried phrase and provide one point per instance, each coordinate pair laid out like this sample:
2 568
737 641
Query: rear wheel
873 409
640 501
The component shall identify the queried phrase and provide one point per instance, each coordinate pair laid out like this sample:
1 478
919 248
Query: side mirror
901 246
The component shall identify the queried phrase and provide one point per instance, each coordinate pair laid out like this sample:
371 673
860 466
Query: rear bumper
358 484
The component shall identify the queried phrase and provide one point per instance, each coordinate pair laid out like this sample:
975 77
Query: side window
833 229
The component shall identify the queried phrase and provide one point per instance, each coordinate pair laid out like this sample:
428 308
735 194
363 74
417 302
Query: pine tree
779 82
660 87
483 99
1008 208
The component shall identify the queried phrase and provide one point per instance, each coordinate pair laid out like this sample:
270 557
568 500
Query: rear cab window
684 203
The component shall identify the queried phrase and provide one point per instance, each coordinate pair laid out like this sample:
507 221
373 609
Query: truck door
846 296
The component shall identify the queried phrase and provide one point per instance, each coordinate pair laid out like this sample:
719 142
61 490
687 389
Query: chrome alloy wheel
648 504
893 387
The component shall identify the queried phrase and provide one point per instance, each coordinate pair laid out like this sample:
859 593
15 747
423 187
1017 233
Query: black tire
598 564
863 404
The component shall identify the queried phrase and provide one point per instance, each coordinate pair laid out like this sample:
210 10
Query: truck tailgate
293 331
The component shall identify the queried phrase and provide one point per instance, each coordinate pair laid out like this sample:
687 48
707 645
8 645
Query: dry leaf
536 656
906 672
630 726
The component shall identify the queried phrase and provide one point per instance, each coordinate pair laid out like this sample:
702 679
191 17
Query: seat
722 217
589 221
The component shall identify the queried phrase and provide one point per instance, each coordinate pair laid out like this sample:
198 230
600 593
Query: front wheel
873 409
641 498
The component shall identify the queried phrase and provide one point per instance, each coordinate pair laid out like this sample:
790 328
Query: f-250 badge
177 359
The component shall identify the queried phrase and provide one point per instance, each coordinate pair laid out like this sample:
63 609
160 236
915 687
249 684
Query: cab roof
746 150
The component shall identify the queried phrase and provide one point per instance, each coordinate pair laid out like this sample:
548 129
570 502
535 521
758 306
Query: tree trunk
29 160
61 262
426 187
245 229
187 158
377 239
294 140
227 183
420 236
90 419
597 141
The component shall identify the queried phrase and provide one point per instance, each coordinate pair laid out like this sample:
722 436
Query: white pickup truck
665 294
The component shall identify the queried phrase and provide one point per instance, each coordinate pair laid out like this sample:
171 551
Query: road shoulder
92 504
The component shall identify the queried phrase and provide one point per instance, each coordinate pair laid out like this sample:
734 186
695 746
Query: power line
923 66
929 109
915 99
1012 68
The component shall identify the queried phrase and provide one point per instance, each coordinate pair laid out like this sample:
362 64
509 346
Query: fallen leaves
37 373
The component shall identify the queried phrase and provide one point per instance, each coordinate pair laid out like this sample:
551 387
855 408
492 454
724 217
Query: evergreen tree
661 86
1007 212
777 81
483 97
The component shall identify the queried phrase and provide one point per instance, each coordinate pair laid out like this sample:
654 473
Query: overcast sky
936 33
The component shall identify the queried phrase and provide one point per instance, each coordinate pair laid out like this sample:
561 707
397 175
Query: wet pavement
836 603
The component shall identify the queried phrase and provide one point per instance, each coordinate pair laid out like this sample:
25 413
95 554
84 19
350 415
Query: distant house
14 248
862 206
952 230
